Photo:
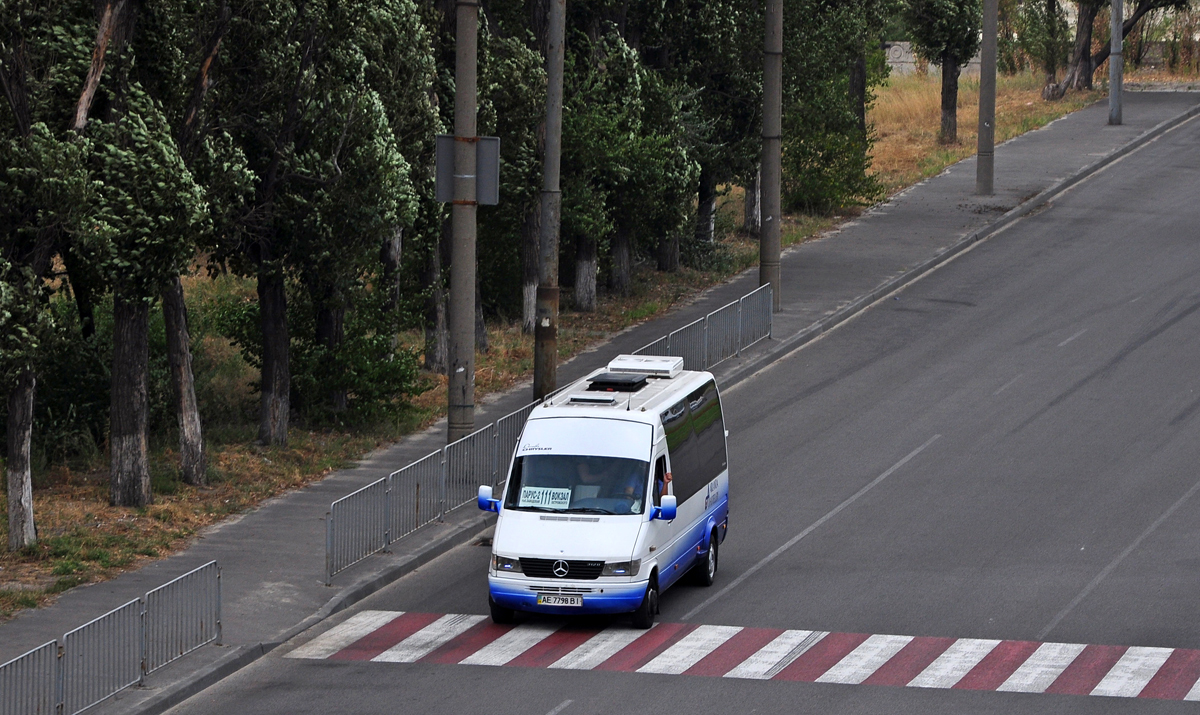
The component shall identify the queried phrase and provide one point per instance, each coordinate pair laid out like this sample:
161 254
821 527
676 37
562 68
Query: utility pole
985 161
545 329
461 394
1116 64
772 170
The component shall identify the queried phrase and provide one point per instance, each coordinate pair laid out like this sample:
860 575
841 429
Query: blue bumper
607 598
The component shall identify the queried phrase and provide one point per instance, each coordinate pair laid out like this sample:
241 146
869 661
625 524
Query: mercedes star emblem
561 568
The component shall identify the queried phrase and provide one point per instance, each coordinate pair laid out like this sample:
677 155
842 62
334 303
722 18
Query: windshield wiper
589 510
537 508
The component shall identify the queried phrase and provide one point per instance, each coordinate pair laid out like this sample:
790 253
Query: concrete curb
243 656
173 694
786 346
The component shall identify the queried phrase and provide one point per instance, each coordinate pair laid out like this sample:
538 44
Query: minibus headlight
506 565
622 568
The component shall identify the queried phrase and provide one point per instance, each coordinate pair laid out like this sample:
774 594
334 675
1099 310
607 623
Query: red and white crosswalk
767 654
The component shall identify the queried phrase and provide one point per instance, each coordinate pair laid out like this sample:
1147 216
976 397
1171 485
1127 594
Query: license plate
555 599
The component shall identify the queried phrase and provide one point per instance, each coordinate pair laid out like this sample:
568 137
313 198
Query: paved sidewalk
273 558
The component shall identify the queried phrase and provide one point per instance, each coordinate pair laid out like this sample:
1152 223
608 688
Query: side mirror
666 512
485 500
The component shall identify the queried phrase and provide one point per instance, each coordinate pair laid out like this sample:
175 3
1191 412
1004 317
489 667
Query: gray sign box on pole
487 167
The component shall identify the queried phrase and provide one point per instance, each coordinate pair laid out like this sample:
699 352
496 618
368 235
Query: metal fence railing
104 656
720 335
368 520
29 683
182 615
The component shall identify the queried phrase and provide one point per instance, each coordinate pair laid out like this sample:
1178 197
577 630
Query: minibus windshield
567 483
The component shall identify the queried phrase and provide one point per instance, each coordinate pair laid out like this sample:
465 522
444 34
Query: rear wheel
501 616
643 617
706 570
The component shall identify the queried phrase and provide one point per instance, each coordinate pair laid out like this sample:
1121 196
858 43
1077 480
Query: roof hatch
617 382
651 365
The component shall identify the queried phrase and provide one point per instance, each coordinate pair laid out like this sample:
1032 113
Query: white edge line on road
561 706
1076 335
792 542
1116 562
1008 384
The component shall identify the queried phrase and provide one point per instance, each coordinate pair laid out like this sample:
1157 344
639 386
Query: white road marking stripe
867 658
813 527
952 665
342 635
428 639
1076 335
690 649
1008 384
560 707
776 655
511 644
1042 668
598 649
1132 672
1117 561
1194 693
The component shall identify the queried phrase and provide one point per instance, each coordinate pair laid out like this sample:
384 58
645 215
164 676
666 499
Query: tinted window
709 426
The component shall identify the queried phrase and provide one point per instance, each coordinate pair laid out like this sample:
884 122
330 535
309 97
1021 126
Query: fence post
329 548
142 661
770 313
59 705
219 606
442 488
704 349
387 513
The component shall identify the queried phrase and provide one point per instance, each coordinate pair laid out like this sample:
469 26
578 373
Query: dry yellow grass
907 115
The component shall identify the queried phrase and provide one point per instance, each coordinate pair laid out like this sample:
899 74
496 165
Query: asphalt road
1007 450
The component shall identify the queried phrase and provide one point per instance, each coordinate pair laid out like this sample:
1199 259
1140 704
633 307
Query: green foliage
945 29
826 154
1043 33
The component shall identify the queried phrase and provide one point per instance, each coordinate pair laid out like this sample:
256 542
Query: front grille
562 589
544 568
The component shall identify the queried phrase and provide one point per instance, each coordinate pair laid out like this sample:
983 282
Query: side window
709 425
660 480
681 442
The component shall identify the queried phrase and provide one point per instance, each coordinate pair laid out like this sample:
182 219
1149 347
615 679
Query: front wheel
643 617
501 616
706 571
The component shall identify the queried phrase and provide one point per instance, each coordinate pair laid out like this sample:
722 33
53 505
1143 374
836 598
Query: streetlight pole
985 162
461 394
1116 64
545 329
772 170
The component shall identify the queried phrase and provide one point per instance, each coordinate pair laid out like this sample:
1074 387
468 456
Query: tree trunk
1079 72
858 91
622 261
331 333
706 211
585 274
81 288
949 130
389 256
129 478
1050 88
668 252
21 529
752 212
193 460
437 349
276 379
530 246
